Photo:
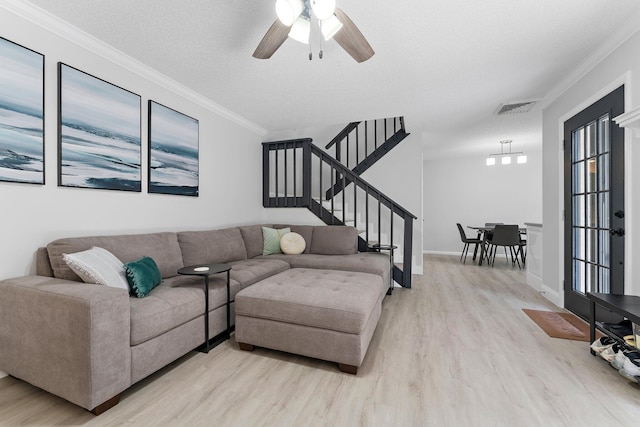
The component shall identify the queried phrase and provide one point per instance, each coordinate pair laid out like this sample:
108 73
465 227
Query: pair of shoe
627 362
610 352
621 329
602 344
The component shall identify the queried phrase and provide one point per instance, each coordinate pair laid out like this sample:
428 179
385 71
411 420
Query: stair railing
297 173
361 144
360 139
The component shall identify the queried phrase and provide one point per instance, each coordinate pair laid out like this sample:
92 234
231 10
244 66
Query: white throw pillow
292 244
98 265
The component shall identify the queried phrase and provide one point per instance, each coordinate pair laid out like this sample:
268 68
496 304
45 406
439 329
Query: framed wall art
21 114
99 133
173 152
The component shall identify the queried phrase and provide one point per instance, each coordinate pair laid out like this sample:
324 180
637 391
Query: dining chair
507 236
523 248
468 241
488 235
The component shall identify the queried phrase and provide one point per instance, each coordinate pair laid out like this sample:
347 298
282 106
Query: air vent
516 107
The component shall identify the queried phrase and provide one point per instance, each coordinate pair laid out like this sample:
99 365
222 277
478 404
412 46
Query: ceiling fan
294 20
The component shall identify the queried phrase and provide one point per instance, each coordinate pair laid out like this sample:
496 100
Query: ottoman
325 314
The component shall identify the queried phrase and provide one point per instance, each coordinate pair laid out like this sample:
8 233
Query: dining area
491 239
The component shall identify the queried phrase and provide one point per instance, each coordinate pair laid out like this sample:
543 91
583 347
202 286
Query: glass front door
594 202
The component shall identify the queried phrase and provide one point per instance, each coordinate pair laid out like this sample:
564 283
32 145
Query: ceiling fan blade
351 39
272 40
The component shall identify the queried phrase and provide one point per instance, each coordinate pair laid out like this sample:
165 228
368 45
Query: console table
624 305
206 270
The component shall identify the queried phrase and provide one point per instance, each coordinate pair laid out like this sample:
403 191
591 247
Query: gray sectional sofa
87 343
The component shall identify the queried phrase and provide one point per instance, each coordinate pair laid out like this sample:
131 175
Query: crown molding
630 120
627 30
53 24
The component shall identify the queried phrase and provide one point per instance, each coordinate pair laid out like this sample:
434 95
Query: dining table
484 231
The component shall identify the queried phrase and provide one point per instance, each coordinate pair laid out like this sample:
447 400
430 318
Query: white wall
398 174
33 215
466 190
621 66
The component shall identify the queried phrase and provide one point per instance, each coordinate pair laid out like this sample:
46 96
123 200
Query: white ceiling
445 65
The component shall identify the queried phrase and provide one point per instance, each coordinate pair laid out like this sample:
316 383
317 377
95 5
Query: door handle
617 232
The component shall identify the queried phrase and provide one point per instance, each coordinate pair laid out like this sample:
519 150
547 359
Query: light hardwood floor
456 350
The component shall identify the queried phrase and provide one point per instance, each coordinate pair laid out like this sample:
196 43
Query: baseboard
441 253
552 295
534 281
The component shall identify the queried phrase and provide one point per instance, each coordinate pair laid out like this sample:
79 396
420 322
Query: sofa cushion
174 302
250 271
211 246
306 231
98 265
252 236
292 244
162 247
334 240
365 262
335 300
271 239
143 275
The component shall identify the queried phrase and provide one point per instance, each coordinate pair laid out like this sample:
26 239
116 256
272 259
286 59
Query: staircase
297 173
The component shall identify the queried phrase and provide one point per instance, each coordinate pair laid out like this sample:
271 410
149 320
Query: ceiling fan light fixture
289 10
323 9
330 26
300 30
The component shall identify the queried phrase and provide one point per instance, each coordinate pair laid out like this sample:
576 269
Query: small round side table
377 248
206 270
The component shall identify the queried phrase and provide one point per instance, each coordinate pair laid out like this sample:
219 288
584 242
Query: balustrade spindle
366 139
357 145
286 161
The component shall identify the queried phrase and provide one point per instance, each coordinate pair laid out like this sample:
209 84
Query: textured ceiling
446 66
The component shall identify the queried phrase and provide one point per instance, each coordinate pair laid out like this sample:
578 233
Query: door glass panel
604 281
603 210
604 248
578 211
578 276
603 175
591 278
603 140
592 213
578 177
592 246
578 145
591 175
578 243
591 140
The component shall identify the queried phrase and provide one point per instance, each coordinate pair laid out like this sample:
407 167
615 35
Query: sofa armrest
68 338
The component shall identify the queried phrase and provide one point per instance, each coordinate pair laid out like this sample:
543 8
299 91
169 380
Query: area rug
560 325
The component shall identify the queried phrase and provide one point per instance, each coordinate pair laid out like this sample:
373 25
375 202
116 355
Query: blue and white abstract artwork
21 114
99 133
173 152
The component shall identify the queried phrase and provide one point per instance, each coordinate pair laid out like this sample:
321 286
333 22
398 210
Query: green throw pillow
271 240
142 275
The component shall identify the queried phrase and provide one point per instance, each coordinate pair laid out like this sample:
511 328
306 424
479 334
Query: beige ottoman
325 314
